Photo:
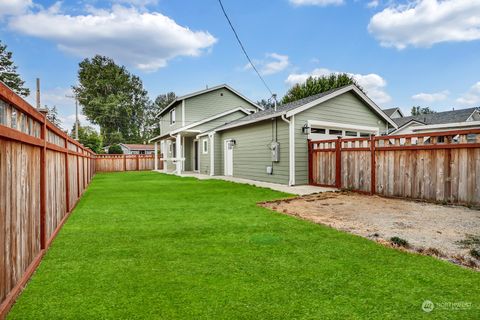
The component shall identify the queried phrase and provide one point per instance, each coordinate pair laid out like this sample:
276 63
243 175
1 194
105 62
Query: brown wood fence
122 162
441 166
43 173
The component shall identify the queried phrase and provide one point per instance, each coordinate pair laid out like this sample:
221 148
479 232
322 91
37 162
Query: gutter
291 148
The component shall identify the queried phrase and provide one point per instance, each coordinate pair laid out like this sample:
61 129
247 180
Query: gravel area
429 228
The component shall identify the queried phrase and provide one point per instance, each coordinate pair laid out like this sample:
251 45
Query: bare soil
429 228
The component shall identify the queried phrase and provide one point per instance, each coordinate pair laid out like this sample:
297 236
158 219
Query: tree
52 116
8 72
115 149
152 127
418 111
112 98
318 85
89 137
266 104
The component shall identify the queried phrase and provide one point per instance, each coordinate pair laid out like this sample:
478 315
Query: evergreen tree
8 72
53 116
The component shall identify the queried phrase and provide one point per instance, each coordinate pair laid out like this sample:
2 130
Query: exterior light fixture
306 129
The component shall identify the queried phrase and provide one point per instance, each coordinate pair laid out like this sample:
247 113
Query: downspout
291 149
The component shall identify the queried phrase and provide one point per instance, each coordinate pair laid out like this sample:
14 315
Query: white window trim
205 144
342 126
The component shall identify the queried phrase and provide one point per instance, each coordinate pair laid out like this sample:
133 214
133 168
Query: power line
243 48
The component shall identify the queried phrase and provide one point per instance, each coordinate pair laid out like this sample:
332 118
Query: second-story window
172 116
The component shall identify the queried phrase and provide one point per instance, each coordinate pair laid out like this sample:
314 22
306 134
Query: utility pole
76 114
38 94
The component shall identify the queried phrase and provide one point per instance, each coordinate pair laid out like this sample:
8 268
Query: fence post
310 164
78 175
338 163
138 163
43 184
67 178
372 166
124 162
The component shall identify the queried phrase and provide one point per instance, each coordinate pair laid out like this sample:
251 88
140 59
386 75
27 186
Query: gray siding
347 109
219 121
212 103
165 126
251 154
204 158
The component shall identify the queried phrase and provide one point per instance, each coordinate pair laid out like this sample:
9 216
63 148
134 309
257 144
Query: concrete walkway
297 190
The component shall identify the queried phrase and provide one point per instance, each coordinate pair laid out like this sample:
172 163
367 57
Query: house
393 113
441 121
266 145
135 148
187 116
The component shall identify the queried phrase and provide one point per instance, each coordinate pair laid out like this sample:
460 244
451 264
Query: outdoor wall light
306 129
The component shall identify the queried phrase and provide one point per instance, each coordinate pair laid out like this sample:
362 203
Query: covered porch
178 153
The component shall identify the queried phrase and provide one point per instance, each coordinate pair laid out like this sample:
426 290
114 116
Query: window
365 134
335 132
351 133
172 116
204 146
174 149
318 130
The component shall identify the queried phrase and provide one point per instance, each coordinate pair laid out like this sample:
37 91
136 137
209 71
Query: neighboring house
441 121
267 145
135 148
393 113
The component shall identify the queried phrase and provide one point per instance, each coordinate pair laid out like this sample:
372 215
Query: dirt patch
428 228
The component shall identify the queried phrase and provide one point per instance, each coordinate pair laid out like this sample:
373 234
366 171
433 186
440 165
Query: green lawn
146 245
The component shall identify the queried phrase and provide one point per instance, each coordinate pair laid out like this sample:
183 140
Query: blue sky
422 52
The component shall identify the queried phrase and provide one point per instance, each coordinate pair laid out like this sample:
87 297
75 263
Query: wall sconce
306 129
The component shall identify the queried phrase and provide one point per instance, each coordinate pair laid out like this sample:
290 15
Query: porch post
155 162
179 156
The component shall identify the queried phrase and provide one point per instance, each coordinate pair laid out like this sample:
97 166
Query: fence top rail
19 104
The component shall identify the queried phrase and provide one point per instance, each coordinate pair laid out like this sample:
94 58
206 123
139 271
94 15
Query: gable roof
453 116
294 107
198 93
390 111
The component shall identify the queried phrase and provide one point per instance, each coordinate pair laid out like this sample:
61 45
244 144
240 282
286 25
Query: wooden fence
43 173
441 166
122 162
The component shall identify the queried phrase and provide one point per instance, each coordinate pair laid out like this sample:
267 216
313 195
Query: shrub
115 149
399 242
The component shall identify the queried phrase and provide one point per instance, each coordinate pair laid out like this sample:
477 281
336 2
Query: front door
195 156
228 152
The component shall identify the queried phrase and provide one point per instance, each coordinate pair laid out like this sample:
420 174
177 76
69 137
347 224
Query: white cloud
472 97
320 3
146 40
12 7
273 63
431 97
424 23
373 4
372 83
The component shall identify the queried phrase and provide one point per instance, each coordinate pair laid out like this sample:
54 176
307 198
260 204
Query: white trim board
336 125
192 125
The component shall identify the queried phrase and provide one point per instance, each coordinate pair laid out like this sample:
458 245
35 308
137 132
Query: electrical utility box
275 147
